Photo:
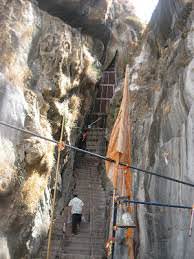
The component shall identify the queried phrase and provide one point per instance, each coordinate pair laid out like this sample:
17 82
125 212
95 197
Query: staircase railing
93 222
91 124
91 218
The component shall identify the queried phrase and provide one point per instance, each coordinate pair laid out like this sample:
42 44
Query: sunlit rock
4 252
7 180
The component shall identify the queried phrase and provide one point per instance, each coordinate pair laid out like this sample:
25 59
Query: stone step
88 196
89 186
85 251
52 255
100 196
93 150
96 140
97 233
92 145
90 160
96 133
82 236
87 193
90 169
98 209
80 245
90 189
87 200
81 190
82 170
81 175
84 240
83 178
72 256
99 131
98 136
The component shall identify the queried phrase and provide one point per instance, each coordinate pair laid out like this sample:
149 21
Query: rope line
154 203
99 156
27 131
55 191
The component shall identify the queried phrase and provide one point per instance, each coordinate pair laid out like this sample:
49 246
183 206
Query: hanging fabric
119 149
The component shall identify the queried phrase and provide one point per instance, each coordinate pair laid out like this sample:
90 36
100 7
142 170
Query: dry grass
7 168
92 68
74 106
7 179
33 190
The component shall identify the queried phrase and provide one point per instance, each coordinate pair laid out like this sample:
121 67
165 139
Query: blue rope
151 203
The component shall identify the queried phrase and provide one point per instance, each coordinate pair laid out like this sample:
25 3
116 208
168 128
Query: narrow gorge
67 59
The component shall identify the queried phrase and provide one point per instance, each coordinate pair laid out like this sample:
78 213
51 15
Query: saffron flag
119 149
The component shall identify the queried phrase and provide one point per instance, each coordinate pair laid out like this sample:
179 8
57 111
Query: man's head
75 195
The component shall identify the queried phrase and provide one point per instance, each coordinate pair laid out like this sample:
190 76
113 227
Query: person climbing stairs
89 243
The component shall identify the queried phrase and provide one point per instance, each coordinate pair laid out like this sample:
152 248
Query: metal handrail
90 125
91 219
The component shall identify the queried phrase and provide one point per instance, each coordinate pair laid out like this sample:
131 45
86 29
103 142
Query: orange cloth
119 149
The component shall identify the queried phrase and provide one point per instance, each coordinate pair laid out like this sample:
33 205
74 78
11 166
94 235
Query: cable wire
153 203
99 156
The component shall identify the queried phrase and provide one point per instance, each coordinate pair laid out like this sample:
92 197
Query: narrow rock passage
90 242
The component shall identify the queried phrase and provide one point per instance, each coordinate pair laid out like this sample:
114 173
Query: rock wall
47 69
113 22
161 107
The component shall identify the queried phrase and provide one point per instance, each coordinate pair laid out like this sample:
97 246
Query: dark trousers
76 220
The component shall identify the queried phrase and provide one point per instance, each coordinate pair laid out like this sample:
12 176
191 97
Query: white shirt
76 205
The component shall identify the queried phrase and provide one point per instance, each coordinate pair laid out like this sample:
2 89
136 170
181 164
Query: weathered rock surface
47 69
162 130
161 89
88 15
112 22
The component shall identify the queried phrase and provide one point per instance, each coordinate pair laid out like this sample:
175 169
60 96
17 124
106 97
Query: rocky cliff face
162 130
47 69
113 22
